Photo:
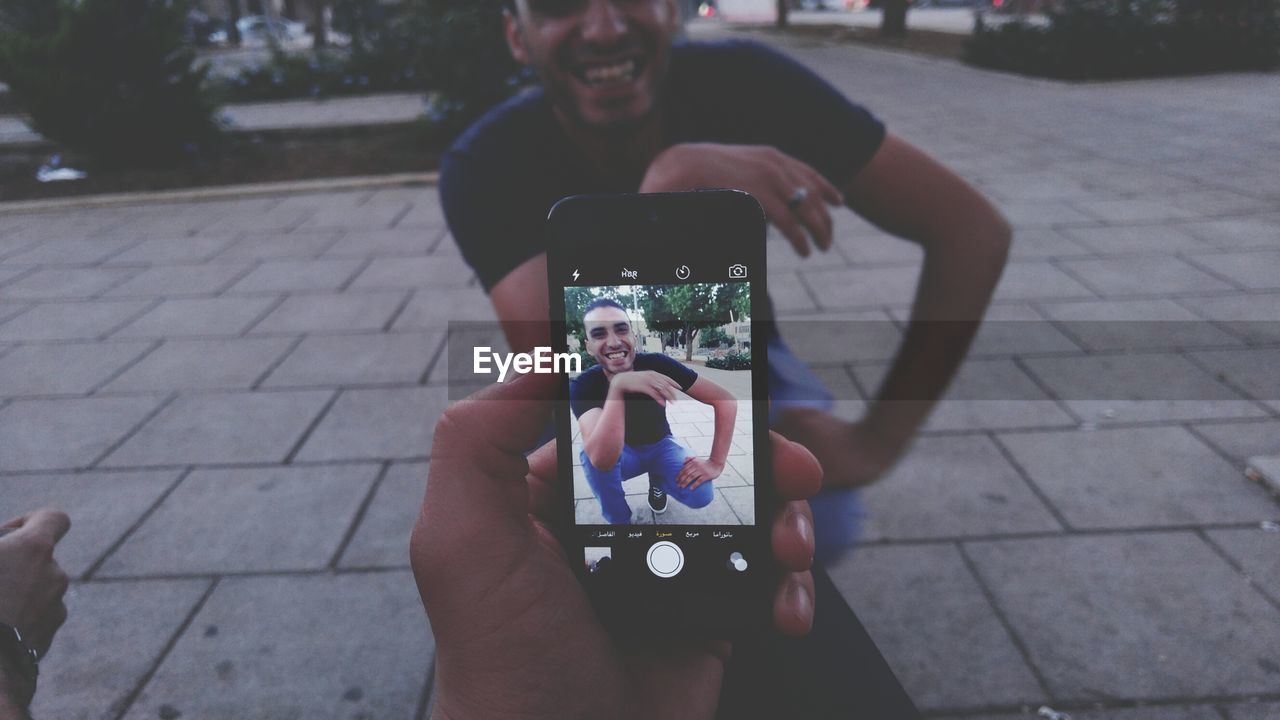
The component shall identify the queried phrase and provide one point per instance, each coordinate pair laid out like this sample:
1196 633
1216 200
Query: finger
785 222
793 605
41 634
46 525
697 481
829 193
817 220
542 462
792 536
796 472
544 481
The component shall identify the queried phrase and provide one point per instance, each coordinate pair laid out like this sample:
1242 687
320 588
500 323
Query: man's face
609 339
602 62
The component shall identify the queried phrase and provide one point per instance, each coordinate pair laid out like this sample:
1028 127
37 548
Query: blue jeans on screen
662 460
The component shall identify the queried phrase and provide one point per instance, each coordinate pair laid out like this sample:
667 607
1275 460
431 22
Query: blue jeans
837 514
662 460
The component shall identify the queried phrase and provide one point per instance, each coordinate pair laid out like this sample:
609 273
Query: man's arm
966 242
520 299
697 471
604 429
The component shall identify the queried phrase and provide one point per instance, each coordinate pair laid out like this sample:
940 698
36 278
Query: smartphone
662 430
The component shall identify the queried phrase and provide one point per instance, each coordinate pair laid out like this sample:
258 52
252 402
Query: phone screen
662 426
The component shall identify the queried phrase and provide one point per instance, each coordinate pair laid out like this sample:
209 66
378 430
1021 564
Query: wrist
14 699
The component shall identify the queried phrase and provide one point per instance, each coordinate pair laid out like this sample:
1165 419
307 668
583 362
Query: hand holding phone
515 632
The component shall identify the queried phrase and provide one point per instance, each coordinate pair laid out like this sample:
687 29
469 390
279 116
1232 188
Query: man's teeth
617 72
616 355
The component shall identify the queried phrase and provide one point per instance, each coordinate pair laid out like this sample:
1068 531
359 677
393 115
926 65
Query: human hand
698 470
851 454
31 582
771 176
654 384
515 632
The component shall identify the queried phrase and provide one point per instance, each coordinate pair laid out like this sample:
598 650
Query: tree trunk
290 9
233 16
894 23
320 33
689 334
784 6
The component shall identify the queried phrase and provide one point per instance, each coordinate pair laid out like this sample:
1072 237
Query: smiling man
621 408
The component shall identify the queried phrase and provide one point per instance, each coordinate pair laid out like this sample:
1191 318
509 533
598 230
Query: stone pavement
234 400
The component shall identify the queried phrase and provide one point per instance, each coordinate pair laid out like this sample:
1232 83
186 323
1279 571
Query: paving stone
70 252
1015 329
382 539
1238 233
423 214
1120 239
64 369
364 242
384 424
1253 711
789 295
867 247
378 215
66 434
1257 372
1041 243
174 250
357 359
587 512
1147 275
113 635
364 310
1253 270
195 317
985 395
414 272
1243 440
1136 325
179 280
434 308
294 245
841 337
263 222
1034 280
854 287
102 506
1042 212
1113 598
718 512
298 647
70 320
929 637
64 283
1252 317
1136 477
1163 712
222 428
277 276
1131 210
247 519
233 363
1108 389
952 487
1257 551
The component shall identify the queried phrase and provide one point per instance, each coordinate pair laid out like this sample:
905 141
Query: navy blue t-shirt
646 420
503 175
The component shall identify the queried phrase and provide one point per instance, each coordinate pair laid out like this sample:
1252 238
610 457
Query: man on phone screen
621 404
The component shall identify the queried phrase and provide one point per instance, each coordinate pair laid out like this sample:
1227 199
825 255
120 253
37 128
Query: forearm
959 276
604 446
726 413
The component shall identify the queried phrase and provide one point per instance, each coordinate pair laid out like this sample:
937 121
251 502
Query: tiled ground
235 399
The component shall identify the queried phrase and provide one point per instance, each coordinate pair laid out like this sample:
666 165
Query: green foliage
317 74
715 337
1102 39
731 361
685 310
111 79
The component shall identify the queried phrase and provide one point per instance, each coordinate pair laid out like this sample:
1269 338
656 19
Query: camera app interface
661 413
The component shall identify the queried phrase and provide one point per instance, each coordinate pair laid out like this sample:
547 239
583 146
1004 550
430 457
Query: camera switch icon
737 270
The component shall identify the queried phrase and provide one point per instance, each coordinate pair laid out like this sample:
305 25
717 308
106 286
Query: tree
686 310
320 34
784 9
894 21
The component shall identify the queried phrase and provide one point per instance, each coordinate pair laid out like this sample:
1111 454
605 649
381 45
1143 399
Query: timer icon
682 272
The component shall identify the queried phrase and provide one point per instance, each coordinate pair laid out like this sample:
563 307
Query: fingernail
804 527
799 598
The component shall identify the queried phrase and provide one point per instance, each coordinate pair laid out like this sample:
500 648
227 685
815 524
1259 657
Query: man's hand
515 634
698 470
31 582
771 176
851 454
654 384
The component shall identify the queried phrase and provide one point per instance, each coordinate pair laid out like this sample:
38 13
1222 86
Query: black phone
662 430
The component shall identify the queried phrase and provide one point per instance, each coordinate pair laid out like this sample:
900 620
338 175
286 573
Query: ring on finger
799 196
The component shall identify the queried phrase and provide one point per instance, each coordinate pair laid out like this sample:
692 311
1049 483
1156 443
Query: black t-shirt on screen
646 420
503 175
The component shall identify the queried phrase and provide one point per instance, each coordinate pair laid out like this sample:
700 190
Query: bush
111 79
1105 39
731 361
315 75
